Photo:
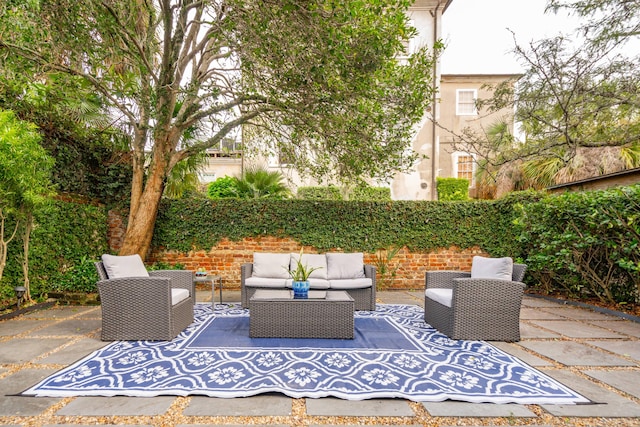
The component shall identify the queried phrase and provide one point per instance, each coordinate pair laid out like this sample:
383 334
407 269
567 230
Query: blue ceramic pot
300 290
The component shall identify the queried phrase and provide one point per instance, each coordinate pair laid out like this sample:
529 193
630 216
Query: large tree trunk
145 199
137 239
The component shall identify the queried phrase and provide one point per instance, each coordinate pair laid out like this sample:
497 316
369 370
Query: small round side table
212 279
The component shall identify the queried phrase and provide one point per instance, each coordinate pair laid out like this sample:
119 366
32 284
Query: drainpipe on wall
434 112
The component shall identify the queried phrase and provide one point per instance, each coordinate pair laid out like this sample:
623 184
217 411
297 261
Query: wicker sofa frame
365 298
481 309
139 308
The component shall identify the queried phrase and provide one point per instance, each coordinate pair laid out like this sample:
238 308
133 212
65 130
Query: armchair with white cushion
483 304
143 305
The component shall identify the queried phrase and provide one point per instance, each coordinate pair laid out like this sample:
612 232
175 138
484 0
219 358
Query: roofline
596 178
446 6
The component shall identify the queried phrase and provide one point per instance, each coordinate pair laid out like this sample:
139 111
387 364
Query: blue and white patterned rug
394 355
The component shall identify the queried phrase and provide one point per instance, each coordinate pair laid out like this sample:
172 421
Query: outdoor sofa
335 271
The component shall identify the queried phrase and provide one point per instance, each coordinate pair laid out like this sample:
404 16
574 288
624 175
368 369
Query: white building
426 17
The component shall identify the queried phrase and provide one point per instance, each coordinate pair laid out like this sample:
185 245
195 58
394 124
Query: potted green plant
300 275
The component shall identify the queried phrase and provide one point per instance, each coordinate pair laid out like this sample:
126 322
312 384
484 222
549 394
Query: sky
476 33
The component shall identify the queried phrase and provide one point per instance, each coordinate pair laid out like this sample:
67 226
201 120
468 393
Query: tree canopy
318 81
578 99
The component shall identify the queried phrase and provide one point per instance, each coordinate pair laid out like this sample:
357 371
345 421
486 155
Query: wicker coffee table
325 314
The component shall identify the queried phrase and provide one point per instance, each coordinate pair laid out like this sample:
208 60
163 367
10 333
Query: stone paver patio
596 354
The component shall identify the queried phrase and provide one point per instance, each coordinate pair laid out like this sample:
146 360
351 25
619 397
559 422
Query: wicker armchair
140 308
481 309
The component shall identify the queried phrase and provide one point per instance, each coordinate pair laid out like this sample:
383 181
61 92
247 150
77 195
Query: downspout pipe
434 109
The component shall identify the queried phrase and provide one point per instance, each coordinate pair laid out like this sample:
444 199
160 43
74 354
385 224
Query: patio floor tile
362 408
465 409
20 326
621 326
624 380
246 406
574 354
73 352
623 348
68 327
12 385
21 350
117 406
608 404
575 329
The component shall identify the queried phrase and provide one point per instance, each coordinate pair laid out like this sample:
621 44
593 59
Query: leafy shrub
453 189
66 238
585 244
258 183
374 194
253 184
81 277
319 193
221 188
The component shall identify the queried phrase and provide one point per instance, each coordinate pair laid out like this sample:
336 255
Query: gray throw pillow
318 261
272 265
492 268
345 266
124 266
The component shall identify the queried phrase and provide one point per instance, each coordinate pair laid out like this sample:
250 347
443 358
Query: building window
464 166
466 102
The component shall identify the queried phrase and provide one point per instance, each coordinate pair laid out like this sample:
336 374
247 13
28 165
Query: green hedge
453 189
585 244
361 193
579 244
374 194
67 238
183 225
319 193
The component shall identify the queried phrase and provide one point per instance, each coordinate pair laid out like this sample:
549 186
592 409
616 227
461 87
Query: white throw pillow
271 265
318 261
124 266
492 268
345 266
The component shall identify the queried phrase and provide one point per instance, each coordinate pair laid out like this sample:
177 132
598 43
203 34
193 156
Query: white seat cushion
271 265
361 283
124 266
318 261
441 295
178 294
313 284
345 266
265 282
491 268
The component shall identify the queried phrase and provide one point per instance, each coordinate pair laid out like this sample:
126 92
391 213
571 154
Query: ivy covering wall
580 245
195 224
67 238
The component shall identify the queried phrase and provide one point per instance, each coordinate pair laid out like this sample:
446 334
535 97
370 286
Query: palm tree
259 183
184 177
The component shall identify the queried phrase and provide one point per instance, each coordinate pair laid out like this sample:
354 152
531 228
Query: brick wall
226 257
115 230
